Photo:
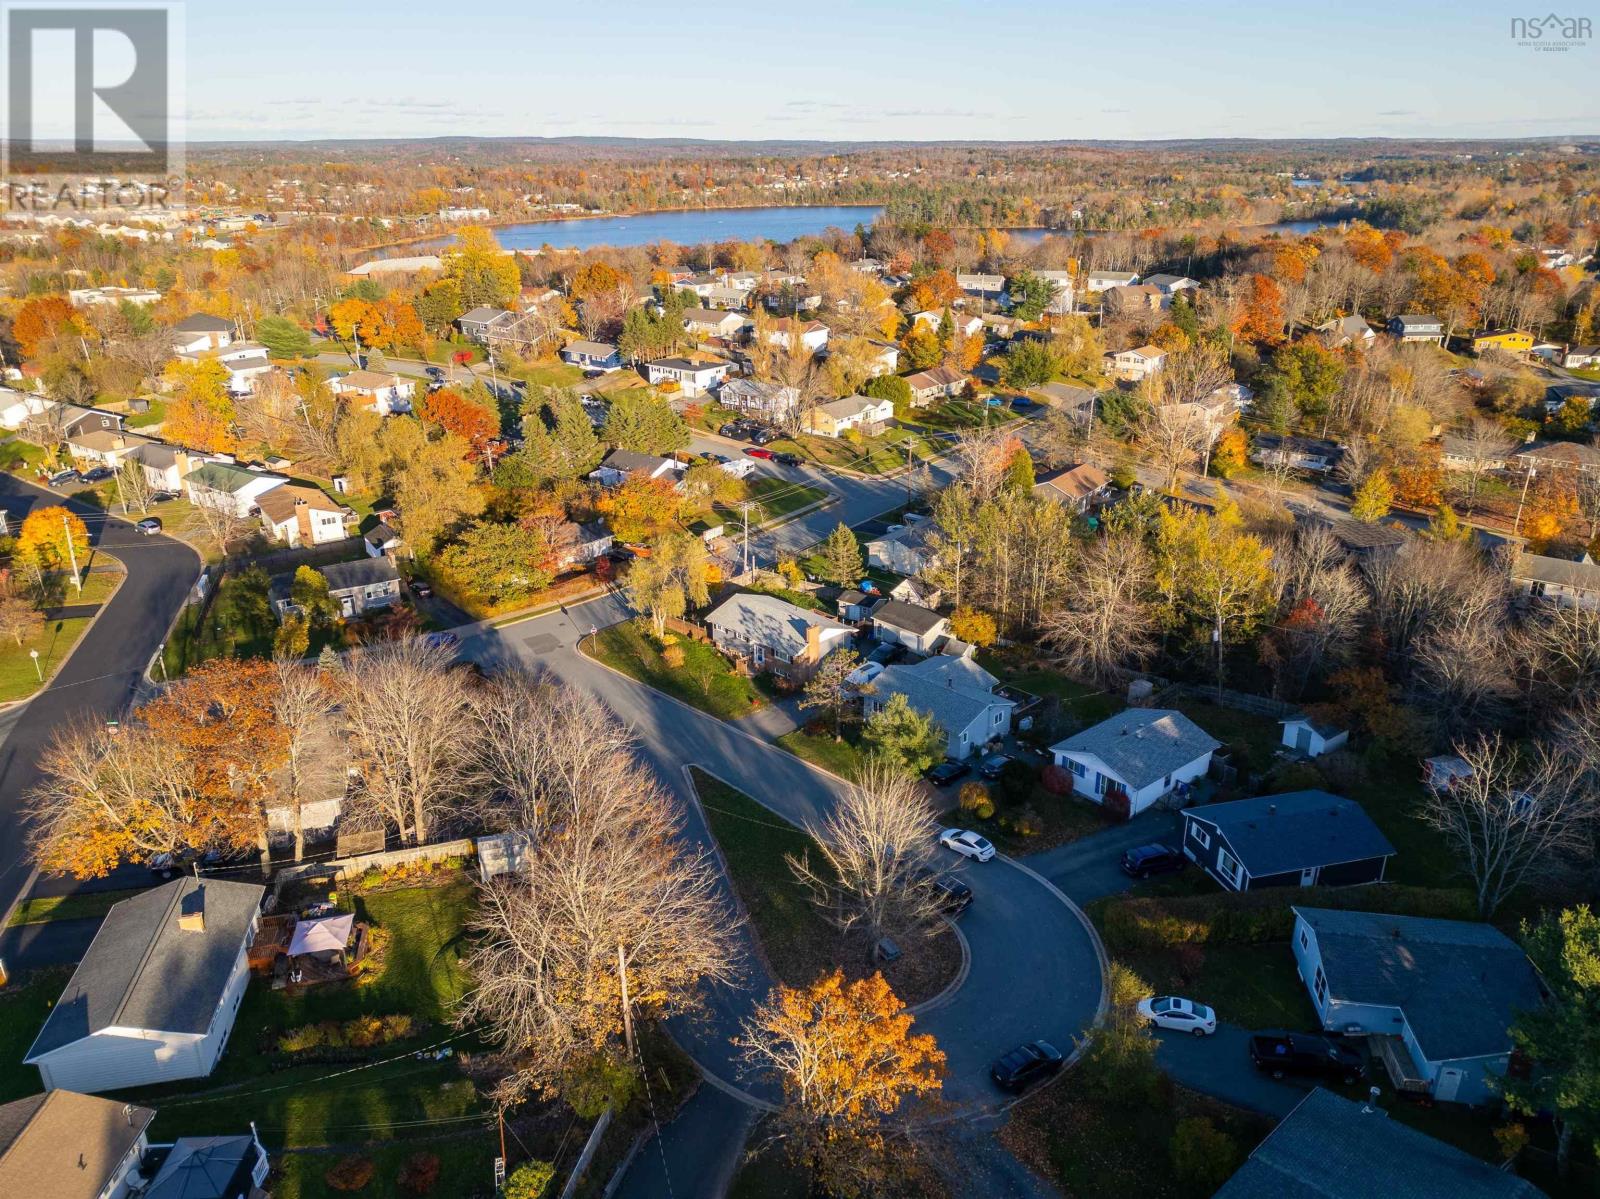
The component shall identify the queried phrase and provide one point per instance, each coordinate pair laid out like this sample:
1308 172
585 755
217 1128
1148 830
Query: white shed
1312 738
155 996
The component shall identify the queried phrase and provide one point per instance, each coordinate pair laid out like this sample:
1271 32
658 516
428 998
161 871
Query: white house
1145 753
771 400
164 465
1314 454
966 325
619 464
713 322
1137 363
938 383
1105 280
836 417
593 356
1559 580
93 297
693 376
813 334
1578 357
1313 738
154 998
956 692
902 549
918 629
984 287
384 392
1435 998
298 515
1171 285
226 485
1062 290
200 332
245 362
105 447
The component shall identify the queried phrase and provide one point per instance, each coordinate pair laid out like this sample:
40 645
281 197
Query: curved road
104 670
1035 969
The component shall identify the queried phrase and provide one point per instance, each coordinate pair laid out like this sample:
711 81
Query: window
1305 941
1229 866
1201 837
1078 768
1320 985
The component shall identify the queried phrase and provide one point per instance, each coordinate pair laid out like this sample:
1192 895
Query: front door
1308 877
1302 739
1449 1085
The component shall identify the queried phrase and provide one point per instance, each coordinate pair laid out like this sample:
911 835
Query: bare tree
306 709
1322 601
877 845
406 713
1511 820
1560 647
19 618
611 904
1481 446
541 748
216 517
1415 589
1175 425
982 456
135 488
1105 625
1463 675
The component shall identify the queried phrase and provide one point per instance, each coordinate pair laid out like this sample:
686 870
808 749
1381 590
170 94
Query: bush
1115 805
299 1040
1016 781
419 1174
1056 779
349 1173
599 1082
1203 1156
530 1180
1258 917
673 656
363 1032
1296 776
974 800
1190 960
1025 823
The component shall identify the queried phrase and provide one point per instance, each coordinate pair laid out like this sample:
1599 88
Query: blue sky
880 69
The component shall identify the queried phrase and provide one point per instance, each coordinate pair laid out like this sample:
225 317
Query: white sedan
1181 1015
967 844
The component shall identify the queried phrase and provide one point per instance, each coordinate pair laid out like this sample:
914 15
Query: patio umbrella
331 933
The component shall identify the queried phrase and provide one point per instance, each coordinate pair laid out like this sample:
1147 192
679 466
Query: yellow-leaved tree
47 543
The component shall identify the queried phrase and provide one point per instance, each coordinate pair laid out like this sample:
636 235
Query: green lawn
238 623
843 758
706 679
777 497
756 842
876 455
553 374
84 905
1254 986
466 1166
21 457
1061 818
18 677
23 1011
144 420
1017 668
1260 735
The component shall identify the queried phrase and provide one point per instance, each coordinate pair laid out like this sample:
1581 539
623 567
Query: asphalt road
1035 971
102 674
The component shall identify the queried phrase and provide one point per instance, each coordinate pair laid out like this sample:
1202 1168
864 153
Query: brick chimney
192 911
813 643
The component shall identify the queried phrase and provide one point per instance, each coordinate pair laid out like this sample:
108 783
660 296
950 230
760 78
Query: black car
786 458
1306 1054
65 478
1151 859
98 474
163 497
954 895
421 588
732 429
719 459
1025 1065
762 436
946 772
435 373
991 766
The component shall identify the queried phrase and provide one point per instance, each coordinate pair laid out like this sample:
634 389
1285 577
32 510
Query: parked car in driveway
65 478
1146 860
786 458
1306 1054
163 497
991 766
421 588
1025 1065
966 843
711 456
757 452
1180 1015
954 896
98 474
734 430
762 435
443 640
946 772
149 526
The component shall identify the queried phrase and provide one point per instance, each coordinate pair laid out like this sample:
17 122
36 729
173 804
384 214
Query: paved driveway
1087 869
103 672
1220 1065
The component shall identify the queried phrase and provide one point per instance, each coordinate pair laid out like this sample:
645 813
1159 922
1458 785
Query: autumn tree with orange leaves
455 413
847 1060
1260 318
43 318
201 412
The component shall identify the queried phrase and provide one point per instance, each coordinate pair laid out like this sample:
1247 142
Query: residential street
1035 970
102 673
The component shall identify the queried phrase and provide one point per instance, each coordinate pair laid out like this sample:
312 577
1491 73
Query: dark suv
1306 1054
1026 1064
1151 859
954 895
946 772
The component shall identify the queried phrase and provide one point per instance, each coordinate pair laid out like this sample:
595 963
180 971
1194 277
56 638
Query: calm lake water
686 227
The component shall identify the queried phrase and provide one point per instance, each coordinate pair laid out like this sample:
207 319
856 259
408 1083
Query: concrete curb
952 987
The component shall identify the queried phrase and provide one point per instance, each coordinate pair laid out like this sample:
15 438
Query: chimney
813 643
192 911
1272 809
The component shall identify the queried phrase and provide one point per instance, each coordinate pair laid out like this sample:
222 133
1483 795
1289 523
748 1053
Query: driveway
100 677
1087 869
1220 1065
1035 967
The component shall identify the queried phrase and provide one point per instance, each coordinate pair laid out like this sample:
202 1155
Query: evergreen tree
908 739
841 556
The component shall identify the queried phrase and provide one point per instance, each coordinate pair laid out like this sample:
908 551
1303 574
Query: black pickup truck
1278 1054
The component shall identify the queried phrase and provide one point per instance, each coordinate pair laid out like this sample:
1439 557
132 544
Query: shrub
1016 781
364 1032
419 1174
1297 776
1203 1156
299 1040
599 1082
349 1173
398 1027
1025 823
1190 960
1258 917
673 656
1115 805
530 1180
974 800
1056 779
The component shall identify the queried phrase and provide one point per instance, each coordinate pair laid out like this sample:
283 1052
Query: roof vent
1272 809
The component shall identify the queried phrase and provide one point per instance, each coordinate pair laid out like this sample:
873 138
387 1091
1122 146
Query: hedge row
1259 916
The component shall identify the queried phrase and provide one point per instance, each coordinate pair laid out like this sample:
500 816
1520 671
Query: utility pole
72 553
627 1013
1516 525
122 499
909 470
744 511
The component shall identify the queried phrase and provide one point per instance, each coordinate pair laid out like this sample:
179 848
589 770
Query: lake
687 227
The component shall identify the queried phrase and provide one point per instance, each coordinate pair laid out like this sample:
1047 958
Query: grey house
1331 1148
1434 997
956 692
365 585
903 551
772 634
1145 753
1299 839
918 629
155 996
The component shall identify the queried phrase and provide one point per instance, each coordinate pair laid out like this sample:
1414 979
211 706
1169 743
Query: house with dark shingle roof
1298 839
1331 1148
1145 753
364 585
772 634
918 629
154 998
1557 455
1559 580
1436 998
957 692
614 470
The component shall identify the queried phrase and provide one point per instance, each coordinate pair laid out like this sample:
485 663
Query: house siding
1197 834
1088 786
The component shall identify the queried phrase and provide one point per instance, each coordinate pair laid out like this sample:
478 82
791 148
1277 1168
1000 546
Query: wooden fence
344 870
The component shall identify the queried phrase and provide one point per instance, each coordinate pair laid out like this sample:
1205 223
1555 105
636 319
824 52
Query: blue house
1299 839
593 356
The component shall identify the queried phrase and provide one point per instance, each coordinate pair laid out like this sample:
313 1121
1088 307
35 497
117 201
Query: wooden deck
1396 1058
